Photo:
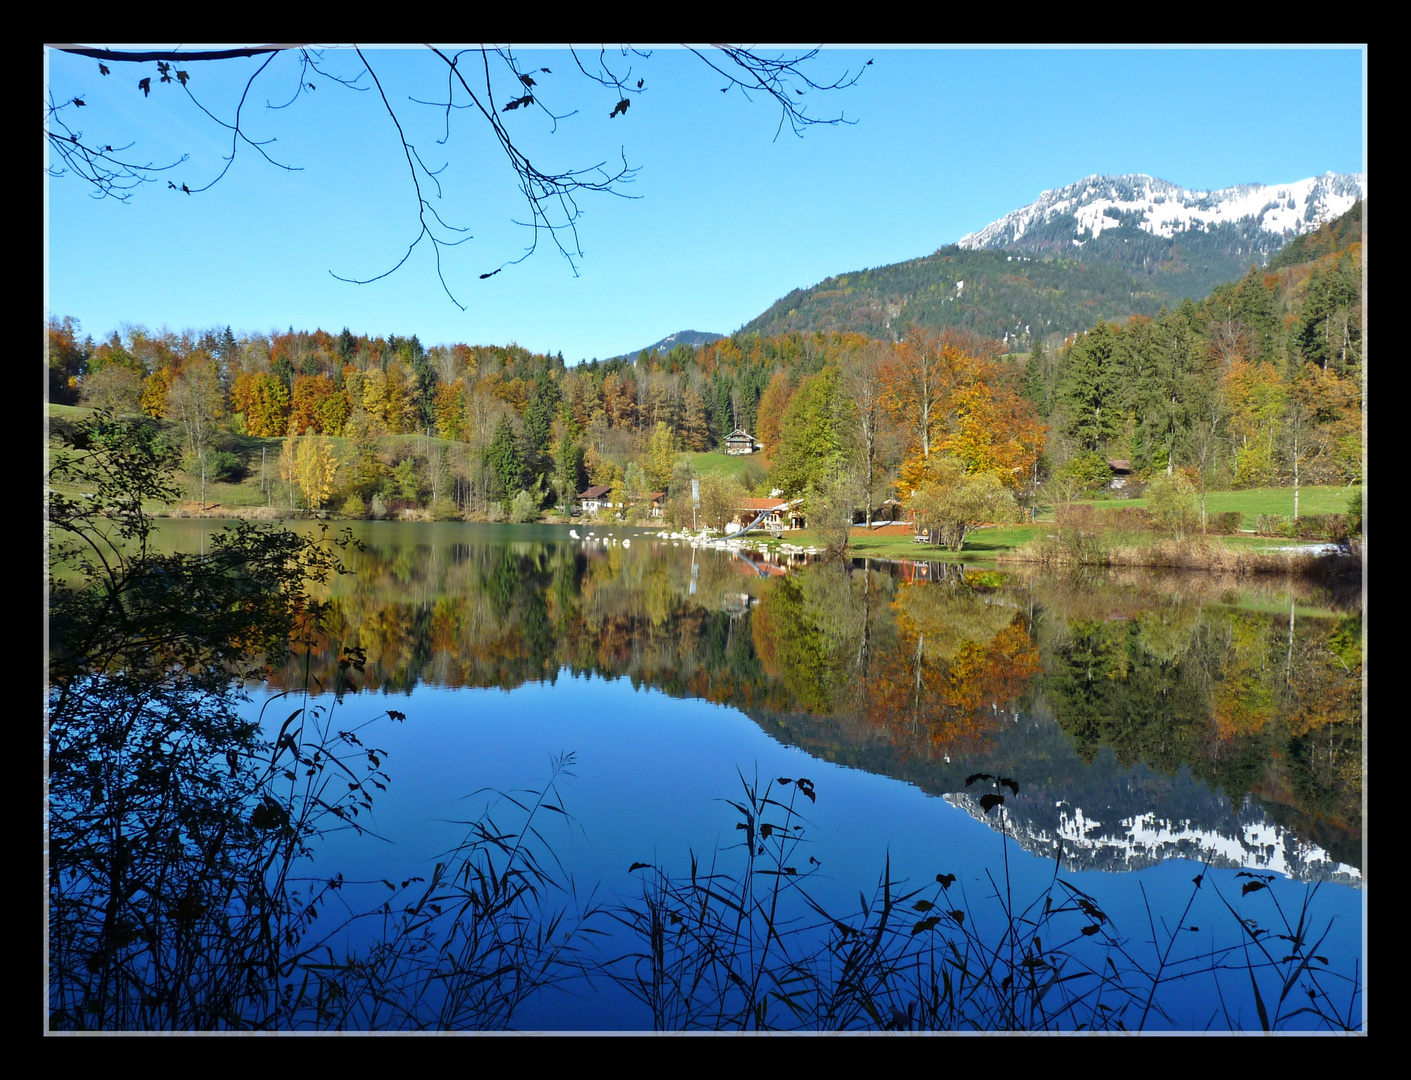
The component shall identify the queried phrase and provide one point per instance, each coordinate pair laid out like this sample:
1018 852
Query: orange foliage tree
263 400
995 431
771 414
317 405
947 392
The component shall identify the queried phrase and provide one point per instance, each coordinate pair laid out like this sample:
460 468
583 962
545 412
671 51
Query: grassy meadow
1312 499
735 466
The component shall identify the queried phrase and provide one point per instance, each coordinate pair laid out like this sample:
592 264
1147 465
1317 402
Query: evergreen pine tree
1091 387
1034 386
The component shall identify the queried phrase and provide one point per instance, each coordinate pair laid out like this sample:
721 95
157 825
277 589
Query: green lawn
1320 499
730 465
68 412
979 544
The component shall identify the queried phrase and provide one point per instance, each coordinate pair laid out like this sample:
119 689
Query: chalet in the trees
1121 472
741 441
594 499
778 513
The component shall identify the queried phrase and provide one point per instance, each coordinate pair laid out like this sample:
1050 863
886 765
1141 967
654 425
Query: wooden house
779 513
594 499
741 441
1121 472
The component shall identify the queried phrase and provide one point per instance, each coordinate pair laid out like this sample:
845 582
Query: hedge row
1333 528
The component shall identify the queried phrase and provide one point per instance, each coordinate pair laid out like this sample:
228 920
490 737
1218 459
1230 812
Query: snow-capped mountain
1081 212
1249 841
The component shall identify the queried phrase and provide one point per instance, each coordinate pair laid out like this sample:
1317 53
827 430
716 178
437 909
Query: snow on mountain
1163 209
1138 841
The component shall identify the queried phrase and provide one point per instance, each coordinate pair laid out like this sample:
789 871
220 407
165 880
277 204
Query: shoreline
1199 555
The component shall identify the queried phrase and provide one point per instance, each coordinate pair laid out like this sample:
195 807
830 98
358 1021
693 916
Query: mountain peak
1083 210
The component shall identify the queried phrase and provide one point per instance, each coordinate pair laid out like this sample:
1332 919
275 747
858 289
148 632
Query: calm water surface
1150 725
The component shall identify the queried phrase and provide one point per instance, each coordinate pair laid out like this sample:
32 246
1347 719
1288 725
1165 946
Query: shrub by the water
1173 504
1227 523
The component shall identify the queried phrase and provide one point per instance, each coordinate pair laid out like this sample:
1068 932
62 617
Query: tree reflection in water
919 679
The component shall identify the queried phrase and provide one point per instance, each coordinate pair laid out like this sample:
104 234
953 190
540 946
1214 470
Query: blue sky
726 218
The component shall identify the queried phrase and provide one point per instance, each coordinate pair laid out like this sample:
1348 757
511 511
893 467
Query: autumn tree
308 462
196 400
1255 397
995 432
317 405
261 402
949 501
153 401
771 413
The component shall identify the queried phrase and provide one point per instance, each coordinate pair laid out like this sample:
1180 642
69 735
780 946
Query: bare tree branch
777 77
110 175
236 135
172 55
413 161
551 197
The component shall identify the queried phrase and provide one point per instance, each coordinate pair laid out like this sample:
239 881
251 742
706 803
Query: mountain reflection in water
946 726
1143 716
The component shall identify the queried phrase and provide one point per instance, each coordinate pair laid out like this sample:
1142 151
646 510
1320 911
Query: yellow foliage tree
661 456
154 393
995 431
1255 396
308 462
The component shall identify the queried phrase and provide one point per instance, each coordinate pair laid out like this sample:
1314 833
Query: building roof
1119 465
596 492
741 432
763 504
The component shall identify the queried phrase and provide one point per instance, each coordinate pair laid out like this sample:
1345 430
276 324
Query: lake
1097 742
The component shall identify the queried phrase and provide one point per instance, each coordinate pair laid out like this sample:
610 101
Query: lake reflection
1149 724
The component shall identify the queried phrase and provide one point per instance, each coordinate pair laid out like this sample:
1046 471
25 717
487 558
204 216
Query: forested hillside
1005 296
1258 383
1106 247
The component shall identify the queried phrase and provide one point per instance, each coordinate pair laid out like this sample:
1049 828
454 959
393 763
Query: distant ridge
1106 247
1266 215
666 344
